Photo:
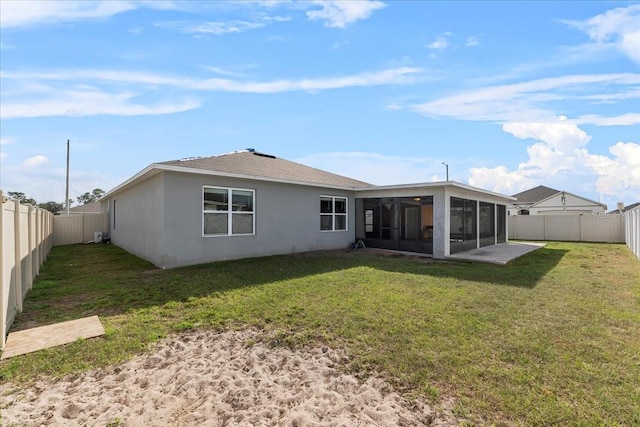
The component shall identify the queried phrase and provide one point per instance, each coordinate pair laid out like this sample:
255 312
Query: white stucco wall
139 223
287 221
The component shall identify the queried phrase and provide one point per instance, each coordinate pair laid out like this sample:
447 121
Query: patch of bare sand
219 379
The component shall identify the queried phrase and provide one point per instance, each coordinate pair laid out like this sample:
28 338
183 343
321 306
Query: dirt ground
219 379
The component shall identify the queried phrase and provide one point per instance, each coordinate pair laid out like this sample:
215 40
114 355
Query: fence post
18 267
3 315
30 248
580 228
38 255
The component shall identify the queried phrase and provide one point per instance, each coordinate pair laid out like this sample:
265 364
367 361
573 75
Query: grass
552 338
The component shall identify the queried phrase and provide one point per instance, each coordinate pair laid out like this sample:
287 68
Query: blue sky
510 94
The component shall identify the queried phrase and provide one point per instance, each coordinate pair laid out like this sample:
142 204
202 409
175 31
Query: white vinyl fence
77 228
25 242
608 228
632 230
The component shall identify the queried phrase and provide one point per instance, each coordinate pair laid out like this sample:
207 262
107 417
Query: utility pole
446 166
66 200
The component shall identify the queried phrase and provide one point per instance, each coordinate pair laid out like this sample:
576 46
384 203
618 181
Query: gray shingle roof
253 164
627 208
92 207
534 195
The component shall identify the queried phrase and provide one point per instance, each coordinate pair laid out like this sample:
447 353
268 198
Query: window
227 211
333 213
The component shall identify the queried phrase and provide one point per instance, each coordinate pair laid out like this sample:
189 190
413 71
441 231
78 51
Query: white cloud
524 101
339 14
394 107
499 179
439 43
627 119
472 41
35 161
276 18
223 71
617 28
34 95
630 45
212 28
14 14
136 30
375 78
560 135
6 140
619 175
559 154
86 102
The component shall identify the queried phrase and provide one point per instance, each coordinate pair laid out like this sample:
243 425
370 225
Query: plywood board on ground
30 340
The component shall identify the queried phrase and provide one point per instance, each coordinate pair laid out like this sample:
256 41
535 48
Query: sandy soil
219 379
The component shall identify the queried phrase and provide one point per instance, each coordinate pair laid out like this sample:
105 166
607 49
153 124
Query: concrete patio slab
497 254
30 340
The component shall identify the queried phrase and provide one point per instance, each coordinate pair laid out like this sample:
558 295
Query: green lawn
550 339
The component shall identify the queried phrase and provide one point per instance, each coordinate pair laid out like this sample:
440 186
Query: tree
53 207
90 197
22 198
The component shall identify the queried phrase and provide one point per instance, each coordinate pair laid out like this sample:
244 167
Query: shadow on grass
84 280
523 272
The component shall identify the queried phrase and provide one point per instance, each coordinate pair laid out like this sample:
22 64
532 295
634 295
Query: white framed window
228 211
333 213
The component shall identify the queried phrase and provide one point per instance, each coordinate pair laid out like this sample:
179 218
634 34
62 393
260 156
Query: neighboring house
248 204
543 200
625 208
92 207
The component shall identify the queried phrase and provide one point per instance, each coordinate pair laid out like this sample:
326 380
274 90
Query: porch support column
477 224
441 224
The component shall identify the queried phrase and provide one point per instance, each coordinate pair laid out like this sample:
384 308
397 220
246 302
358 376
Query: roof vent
251 150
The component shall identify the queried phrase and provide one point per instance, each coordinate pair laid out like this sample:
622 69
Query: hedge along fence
26 238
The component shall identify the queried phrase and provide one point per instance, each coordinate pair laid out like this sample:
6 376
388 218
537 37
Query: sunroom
435 219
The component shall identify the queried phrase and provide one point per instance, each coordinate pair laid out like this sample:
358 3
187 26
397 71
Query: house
248 204
623 209
543 200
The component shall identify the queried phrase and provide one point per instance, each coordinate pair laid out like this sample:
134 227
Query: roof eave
435 184
156 168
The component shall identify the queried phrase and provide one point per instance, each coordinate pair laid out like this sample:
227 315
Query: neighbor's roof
627 208
253 164
92 207
534 195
